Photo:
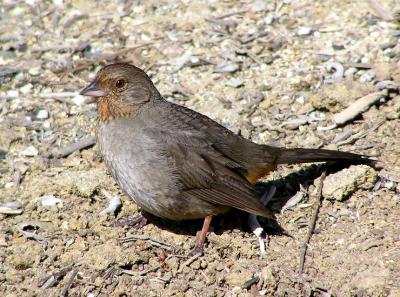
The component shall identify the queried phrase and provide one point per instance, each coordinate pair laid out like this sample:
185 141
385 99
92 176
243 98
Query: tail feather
300 155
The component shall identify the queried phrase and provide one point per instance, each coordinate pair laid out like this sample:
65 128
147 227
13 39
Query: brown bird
177 163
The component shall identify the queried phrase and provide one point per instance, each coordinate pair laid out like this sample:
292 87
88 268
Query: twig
144 272
359 106
64 292
317 205
73 146
52 279
353 138
189 261
148 239
380 11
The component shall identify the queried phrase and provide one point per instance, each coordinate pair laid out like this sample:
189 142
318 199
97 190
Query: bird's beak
93 90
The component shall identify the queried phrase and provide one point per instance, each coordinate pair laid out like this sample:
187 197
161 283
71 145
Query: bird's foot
259 232
136 222
199 249
202 238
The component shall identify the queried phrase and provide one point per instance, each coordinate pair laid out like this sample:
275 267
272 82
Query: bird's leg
136 222
202 238
258 231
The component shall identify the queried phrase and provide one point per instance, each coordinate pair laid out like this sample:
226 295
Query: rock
386 45
6 138
238 278
83 183
267 279
102 256
34 70
350 72
234 83
341 185
78 100
30 151
42 114
304 31
236 290
259 6
368 76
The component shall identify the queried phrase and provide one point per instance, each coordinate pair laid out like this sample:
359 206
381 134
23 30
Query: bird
176 163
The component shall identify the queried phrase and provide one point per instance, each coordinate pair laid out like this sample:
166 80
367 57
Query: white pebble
78 100
30 151
42 114
304 31
234 83
34 71
50 200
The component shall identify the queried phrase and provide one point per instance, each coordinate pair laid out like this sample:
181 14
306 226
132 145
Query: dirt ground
274 71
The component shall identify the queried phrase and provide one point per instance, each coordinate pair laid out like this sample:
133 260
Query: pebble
26 89
259 6
269 19
304 31
396 33
355 59
42 114
368 76
389 53
387 45
30 151
34 71
350 72
50 200
234 83
78 100
341 185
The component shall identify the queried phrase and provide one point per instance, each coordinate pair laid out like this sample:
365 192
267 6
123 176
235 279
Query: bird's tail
300 155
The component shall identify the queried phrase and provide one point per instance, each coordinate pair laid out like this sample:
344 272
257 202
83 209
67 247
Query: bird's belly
160 195
149 178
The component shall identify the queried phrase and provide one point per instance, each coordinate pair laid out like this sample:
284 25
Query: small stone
236 290
304 31
355 59
51 200
226 67
388 45
30 151
12 94
341 185
34 71
396 33
234 83
42 114
78 100
368 76
26 89
259 6
267 279
371 20
269 19
389 53
238 278
350 72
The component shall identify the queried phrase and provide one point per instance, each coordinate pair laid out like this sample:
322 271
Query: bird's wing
205 173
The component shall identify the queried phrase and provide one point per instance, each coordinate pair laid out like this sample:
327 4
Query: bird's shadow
286 187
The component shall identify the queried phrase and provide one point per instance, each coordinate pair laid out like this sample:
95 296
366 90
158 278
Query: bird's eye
120 83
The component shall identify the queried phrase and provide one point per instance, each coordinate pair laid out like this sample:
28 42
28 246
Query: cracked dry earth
275 71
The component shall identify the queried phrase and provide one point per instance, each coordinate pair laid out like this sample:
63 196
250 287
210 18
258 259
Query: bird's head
120 90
